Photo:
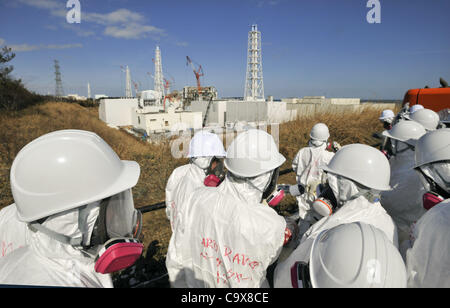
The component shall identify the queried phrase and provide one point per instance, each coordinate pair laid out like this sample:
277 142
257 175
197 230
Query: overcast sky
309 47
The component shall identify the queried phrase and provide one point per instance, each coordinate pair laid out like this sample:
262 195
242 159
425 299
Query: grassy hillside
156 161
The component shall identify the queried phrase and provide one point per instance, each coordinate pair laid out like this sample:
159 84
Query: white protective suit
308 174
13 233
428 262
404 201
184 180
225 236
47 262
359 209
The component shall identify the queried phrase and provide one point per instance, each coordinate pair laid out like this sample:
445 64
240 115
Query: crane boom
197 72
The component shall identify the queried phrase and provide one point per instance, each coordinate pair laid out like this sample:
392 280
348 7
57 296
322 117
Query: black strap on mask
272 184
100 233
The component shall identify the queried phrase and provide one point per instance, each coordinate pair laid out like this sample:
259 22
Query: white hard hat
433 147
253 153
363 164
67 169
415 108
387 114
406 131
206 144
320 132
427 117
355 255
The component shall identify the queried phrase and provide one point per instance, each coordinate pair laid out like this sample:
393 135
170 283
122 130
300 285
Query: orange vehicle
435 99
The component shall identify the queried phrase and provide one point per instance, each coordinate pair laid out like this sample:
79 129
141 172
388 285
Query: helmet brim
381 188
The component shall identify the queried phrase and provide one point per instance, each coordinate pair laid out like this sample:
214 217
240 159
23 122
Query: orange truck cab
435 99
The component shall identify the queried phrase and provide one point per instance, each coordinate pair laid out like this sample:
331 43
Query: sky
309 47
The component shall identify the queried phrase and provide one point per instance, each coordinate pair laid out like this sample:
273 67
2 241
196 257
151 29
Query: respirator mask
300 277
315 143
272 194
436 179
387 125
326 203
214 170
339 191
398 147
113 241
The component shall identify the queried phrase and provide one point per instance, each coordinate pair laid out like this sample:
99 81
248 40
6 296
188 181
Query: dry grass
156 161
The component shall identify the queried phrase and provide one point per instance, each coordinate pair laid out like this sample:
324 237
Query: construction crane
198 73
136 87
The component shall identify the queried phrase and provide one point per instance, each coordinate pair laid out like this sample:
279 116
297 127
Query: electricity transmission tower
59 92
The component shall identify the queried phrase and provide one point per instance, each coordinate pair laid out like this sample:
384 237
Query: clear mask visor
122 219
440 173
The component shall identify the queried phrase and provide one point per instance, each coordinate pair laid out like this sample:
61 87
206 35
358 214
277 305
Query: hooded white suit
225 236
47 262
13 233
404 201
183 181
357 209
428 261
308 174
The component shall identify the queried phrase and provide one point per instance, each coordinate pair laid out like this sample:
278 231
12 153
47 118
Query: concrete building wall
166 121
117 112
344 101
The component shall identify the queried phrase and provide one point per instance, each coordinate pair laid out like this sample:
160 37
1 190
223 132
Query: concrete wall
344 101
168 121
117 112
223 112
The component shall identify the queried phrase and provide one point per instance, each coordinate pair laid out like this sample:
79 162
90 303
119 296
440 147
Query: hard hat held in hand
406 131
64 170
319 132
253 153
362 164
355 255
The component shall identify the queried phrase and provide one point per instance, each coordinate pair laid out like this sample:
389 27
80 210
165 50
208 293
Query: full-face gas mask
214 169
398 147
436 180
113 240
272 194
315 143
109 232
326 203
300 277
339 191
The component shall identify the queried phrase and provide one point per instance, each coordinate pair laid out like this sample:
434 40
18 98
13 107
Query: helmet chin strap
72 241
76 242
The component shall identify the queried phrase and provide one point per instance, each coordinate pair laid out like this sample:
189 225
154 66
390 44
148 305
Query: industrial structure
128 91
59 92
254 85
160 111
158 80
